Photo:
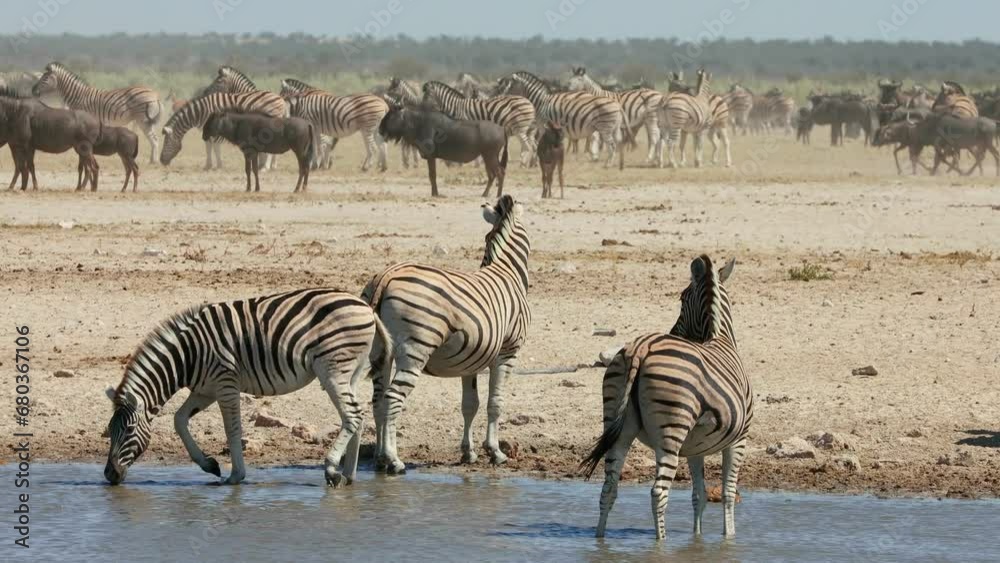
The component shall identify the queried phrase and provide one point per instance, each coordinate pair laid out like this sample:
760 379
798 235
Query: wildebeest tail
311 149
614 430
503 158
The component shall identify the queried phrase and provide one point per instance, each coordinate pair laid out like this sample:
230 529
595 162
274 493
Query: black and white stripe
952 100
121 106
342 116
683 112
197 111
740 102
684 394
580 114
454 324
515 114
269 345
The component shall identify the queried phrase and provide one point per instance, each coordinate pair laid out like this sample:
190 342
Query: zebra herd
683 392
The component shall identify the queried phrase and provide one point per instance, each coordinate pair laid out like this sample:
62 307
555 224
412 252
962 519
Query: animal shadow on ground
981 438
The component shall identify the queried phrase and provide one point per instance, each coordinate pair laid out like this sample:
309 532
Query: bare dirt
914 290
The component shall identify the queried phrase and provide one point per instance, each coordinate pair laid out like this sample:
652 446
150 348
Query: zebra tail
613 430
152 115
383 363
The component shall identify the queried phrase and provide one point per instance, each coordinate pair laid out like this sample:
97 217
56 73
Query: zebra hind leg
395 396
666 468
470 406
732 459
494 406
339 383
699 498
229 403
195 404
614 462
149 130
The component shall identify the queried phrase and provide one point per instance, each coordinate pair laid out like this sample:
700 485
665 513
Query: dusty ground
914 292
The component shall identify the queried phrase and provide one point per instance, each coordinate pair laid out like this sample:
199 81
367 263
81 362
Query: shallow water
286 514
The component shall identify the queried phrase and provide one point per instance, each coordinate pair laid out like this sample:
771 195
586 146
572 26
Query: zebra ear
110 392
727 270
168 131
699 267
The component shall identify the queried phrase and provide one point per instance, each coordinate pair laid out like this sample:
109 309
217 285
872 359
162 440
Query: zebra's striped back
121 106
515 114
953 101
578 113
339 116
197 111
639 105
720 112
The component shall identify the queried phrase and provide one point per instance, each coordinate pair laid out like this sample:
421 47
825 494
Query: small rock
605 332
266 420
150 251
67 224
827 303
570 383
250 446
566 268
522 419
510 448
915 433
606 356
958 459
613 242
715 494
792 448
849 463
866 371
829 441
305 433
771 399
64 373
440 250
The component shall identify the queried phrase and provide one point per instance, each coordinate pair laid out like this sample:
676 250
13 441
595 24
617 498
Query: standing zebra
680 113
196 112
409 92
455 324
683 394
640 106
324 156
269 345
773 109
515 114
580 114
740 102
342 116
718 126
122 106
952 100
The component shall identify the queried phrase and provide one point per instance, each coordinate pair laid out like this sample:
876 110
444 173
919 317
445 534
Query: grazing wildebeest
123 142
456 140
550 156
30 127
254 134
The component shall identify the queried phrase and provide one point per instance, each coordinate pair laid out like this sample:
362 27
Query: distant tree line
441 57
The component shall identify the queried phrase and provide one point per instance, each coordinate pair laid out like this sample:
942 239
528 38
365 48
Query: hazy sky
760 19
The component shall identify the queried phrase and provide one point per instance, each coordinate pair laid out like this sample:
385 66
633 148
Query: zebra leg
494 405
727 145
149 129
229 403
732 459
614 461
209 145
470 406
408 370
369 150
217 149
339 385
527 147
248 162
699 498
612 145
652 135
194 404
684 137
383 153
592 147
666 468
698 148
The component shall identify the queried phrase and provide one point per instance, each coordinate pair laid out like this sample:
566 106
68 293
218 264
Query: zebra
410 93
772 109
515 114
19 84
448 323
122 106
293 86
682 112
952 100
719 113
271 345
342 116
640 106
579 113
197 111
740 102
684 394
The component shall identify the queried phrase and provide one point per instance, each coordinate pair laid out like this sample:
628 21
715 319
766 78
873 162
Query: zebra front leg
732 459
528 147
194 404
494 406
369 150
229 403
727 145
699 498
652 137
684 136
209 145
698 148
470 406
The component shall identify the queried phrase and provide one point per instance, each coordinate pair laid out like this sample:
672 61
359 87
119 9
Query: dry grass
809 271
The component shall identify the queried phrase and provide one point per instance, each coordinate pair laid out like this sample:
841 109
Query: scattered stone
792 448
67 224
915 433
265 420
613 242
606 356
250 446
510 449
867 371
522 419
827 303
957 459
570 383
566 268
64 373
771 399
605 332
150 251
829 441
715 494
440 250
849 463
306 433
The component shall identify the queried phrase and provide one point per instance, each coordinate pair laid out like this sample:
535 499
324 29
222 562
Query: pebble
827 303
266 420
64 373
306 433
829 441
792 448
150 251
570 383
566 268
866 371
440 250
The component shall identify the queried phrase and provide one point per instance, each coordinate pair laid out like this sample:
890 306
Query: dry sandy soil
915 292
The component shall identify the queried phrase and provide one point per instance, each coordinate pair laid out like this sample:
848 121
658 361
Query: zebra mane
56 66
297 84
506 209
444 87
530 79
164 333
703 274
234 73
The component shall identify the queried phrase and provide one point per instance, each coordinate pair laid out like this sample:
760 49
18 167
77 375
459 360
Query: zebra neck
154 389
510 256
74 90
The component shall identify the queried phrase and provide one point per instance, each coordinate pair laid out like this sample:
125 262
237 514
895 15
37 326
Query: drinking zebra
740 102
269 345
580 114
454 324
515 114
952 100
684 394
122 106
197 111
682 112
640 106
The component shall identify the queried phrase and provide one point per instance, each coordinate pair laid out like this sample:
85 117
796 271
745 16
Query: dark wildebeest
32 126
123 142
550 156
947 134
803 126
255 134
836 111
457 140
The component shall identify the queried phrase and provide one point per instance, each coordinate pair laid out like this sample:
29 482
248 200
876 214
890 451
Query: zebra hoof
469 457
498 458
396 468
212 466
335 479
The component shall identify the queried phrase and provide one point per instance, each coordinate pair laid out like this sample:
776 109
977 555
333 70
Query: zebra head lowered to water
269 345
448 323
684 394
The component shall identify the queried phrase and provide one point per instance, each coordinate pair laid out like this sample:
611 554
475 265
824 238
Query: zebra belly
707 437
455 358
273 384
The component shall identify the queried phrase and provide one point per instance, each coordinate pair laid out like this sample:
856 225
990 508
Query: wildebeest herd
472 120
